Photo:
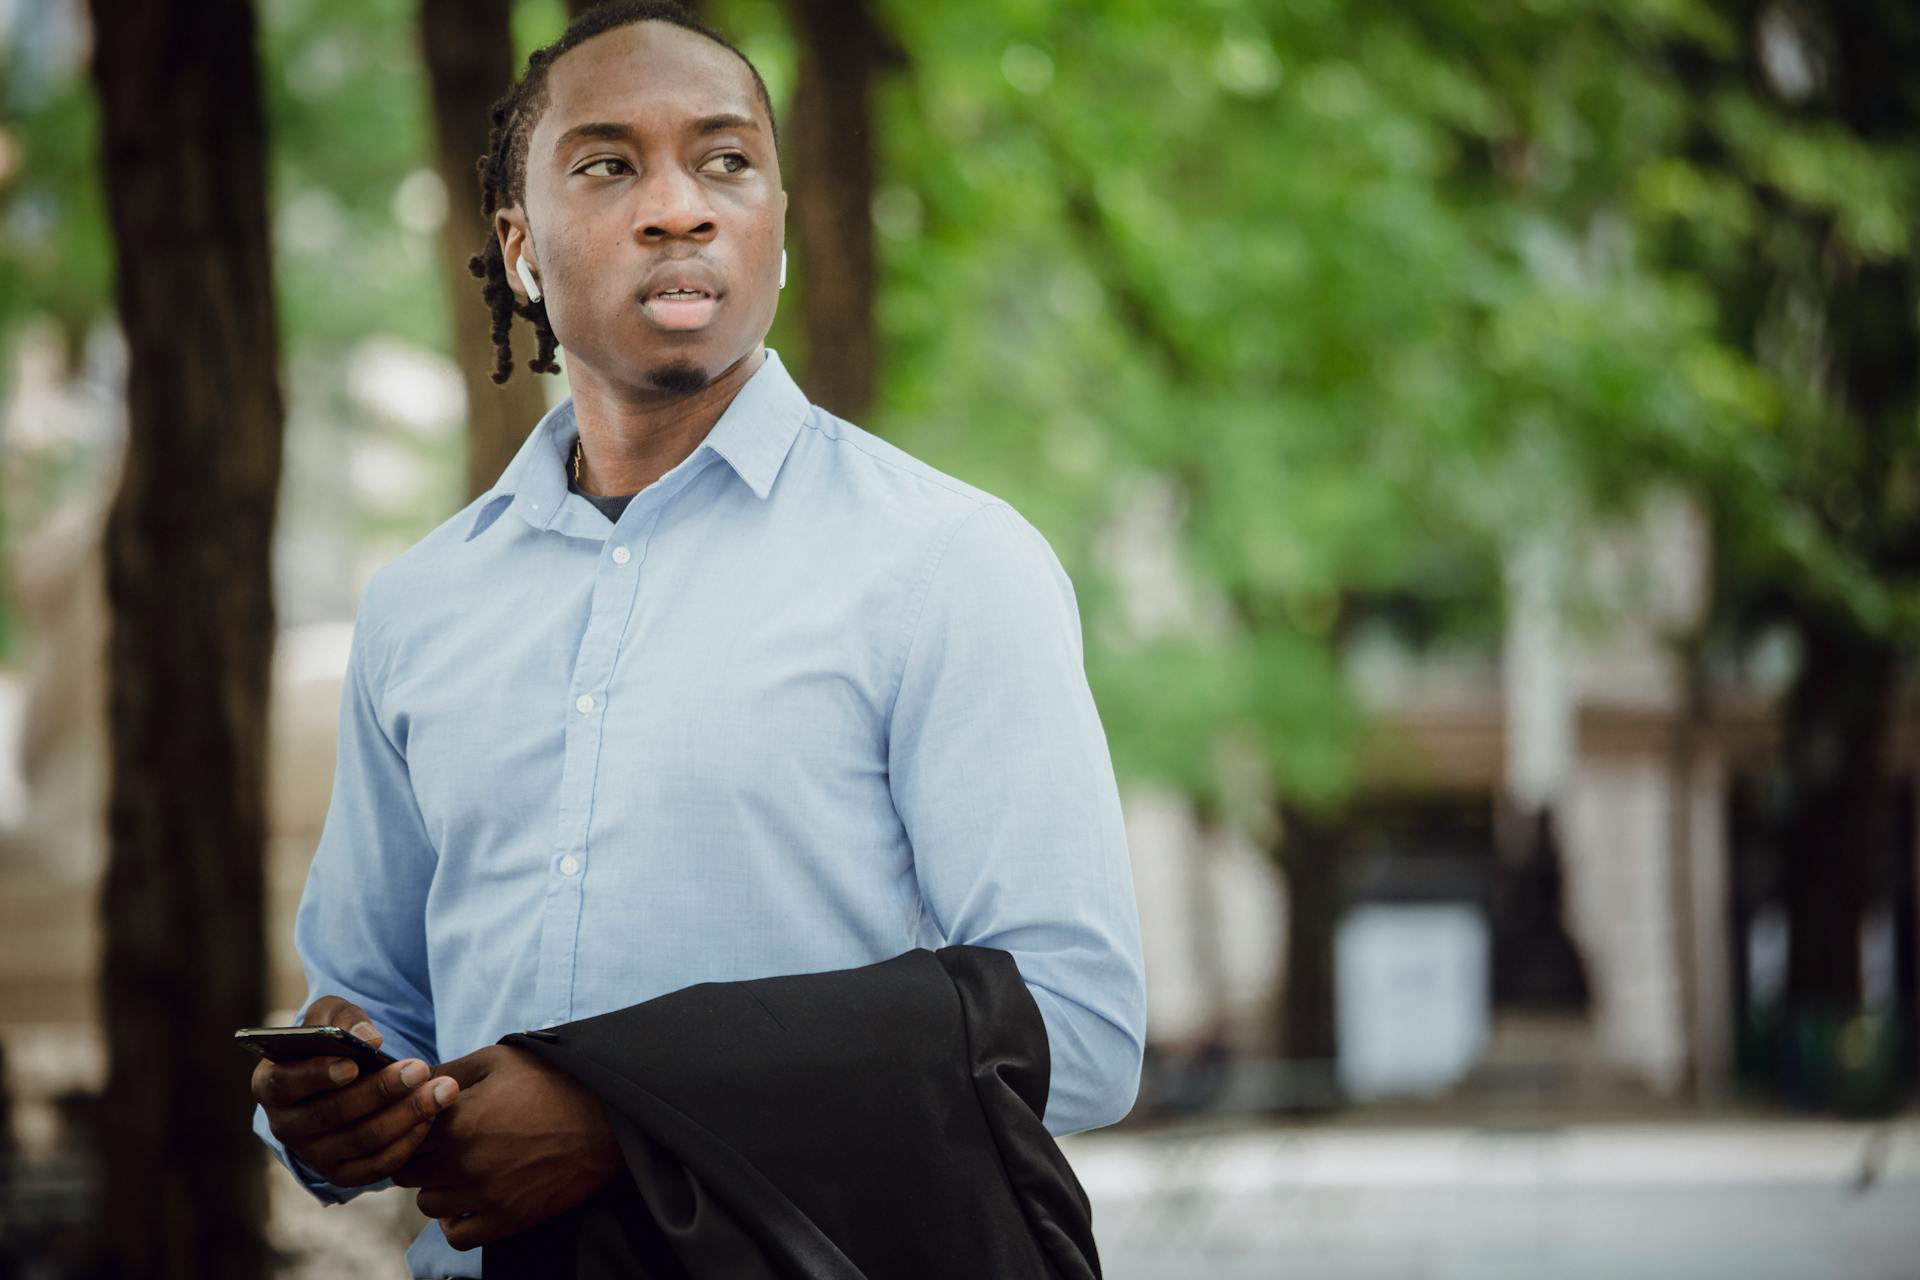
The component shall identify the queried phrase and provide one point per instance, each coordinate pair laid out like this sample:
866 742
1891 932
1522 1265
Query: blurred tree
1348 301
1740 182
356 209
55 267
1129 271
54 260
468 51
1801 173
189 584
844 49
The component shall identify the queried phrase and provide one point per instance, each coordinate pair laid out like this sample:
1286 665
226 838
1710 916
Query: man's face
653 216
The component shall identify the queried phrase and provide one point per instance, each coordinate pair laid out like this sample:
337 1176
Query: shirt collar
754 436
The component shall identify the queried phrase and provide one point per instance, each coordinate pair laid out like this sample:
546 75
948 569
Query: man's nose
673 205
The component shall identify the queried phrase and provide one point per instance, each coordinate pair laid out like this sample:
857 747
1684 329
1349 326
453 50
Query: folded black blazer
879 1123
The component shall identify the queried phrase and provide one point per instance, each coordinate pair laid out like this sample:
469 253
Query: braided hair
503 170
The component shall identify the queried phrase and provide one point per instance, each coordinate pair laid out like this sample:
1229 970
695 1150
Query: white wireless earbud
526 278
783 268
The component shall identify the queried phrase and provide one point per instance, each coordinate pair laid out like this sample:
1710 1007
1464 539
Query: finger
474 1230
383 1163
341 1105
429 1166
474 1067
320 1012
333 1011
283 1084
346 1106
442 1202
437 1160
373 1133
422 1169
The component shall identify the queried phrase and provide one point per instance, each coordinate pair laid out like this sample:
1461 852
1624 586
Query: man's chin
678 377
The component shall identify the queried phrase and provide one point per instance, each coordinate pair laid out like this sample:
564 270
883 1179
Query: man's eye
609 160
733 161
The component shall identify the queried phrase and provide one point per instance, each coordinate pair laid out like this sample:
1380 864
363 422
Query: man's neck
629 438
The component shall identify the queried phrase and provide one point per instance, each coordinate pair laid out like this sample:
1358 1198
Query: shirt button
569 865
584 704
621 555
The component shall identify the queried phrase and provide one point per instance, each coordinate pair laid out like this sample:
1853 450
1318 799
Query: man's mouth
680 307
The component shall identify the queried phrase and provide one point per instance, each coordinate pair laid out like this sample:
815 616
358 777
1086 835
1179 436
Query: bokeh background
1485 441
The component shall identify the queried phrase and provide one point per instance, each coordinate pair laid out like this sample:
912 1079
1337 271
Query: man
711 686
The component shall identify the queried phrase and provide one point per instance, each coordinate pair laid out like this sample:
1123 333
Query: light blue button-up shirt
809 703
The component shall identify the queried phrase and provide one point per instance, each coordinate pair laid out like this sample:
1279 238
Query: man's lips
691 311
681 299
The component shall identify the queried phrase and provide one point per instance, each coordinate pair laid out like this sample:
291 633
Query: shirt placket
616 586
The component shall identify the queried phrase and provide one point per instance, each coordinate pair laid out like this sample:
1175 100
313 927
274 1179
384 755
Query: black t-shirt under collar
609 507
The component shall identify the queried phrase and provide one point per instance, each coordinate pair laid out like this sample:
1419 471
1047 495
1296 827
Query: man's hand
350 1131
527 1142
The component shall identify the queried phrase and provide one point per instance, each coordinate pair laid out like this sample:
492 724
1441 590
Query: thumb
349 1017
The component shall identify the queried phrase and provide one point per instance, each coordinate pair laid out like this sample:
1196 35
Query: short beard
681 378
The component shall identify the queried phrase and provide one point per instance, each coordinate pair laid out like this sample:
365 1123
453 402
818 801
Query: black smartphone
296 1044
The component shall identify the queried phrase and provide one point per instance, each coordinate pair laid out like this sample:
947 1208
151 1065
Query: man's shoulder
888 483
429 567
901 502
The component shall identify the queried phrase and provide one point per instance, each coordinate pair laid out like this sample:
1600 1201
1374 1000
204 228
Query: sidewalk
1760 1199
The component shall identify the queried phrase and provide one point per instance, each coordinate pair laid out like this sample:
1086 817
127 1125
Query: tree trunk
1836 752
191 636
1806 276
1841 710
843 49
1309 1034
468 47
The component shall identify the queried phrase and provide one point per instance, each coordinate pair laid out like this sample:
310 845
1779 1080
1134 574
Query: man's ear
510 226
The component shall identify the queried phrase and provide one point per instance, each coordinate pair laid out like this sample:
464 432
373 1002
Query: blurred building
1599 809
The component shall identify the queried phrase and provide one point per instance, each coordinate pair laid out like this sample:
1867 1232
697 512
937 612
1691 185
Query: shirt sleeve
360 930
1001 775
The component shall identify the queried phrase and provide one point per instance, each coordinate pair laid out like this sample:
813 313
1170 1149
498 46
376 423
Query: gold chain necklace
576 460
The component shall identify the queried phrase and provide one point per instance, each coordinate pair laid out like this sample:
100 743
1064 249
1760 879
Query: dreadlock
503 170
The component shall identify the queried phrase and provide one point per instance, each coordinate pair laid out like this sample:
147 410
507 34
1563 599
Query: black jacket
880 1123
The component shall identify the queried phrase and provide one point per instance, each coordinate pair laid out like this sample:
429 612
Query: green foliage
356 250
55 257
1381 289
346 103
536 23
1279 256
1789 211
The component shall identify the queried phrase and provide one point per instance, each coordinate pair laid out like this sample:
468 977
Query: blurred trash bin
1413 999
